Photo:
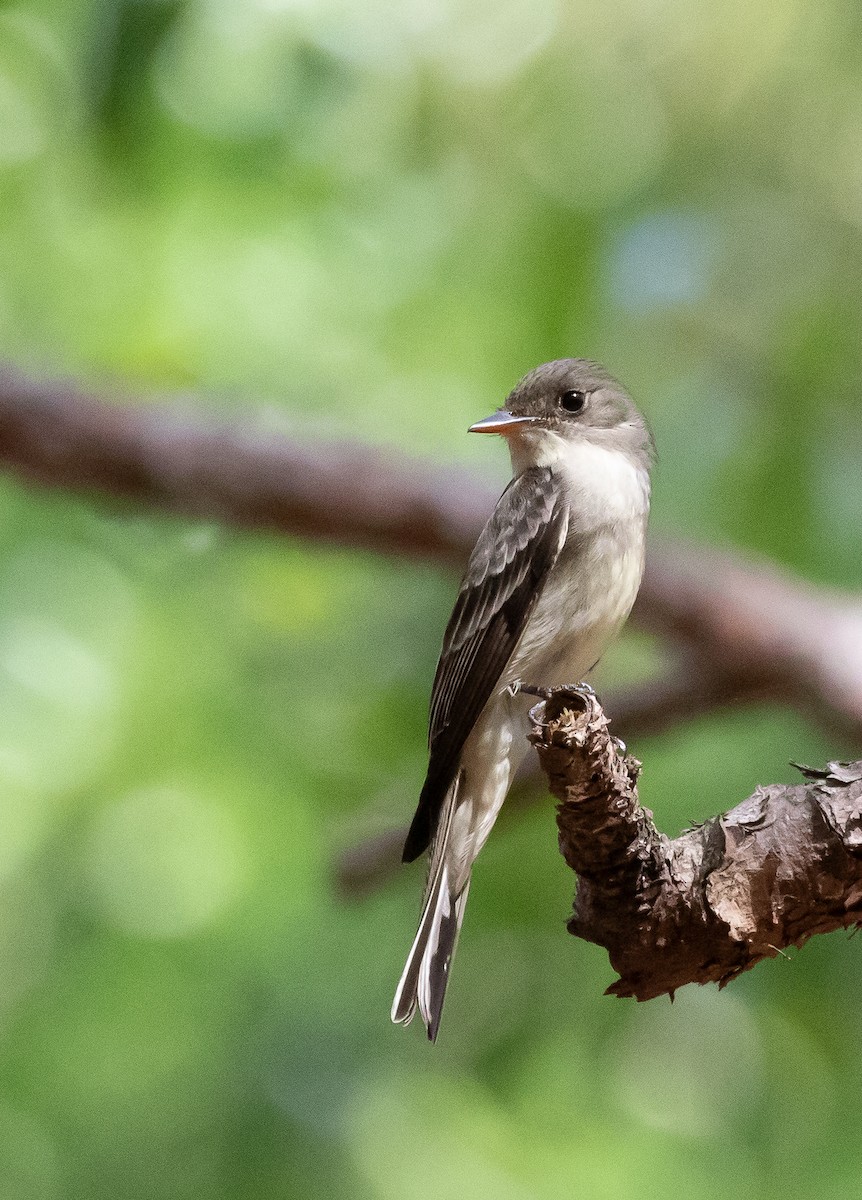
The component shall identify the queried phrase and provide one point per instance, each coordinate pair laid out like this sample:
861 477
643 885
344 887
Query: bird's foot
529 689
546 693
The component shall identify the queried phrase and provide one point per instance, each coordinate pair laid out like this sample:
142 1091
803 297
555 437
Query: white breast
592 587
603 484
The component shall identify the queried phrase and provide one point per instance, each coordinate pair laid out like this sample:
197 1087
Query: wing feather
504 577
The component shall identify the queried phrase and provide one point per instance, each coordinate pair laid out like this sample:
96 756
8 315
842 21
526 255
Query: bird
550 581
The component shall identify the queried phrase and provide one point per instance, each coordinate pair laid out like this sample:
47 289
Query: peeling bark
783 865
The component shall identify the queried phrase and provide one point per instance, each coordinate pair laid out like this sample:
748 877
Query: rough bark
778 868
680 695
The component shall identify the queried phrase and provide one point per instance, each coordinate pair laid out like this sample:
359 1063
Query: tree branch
745 627
650 708
742 630
785 864
173 459
777 869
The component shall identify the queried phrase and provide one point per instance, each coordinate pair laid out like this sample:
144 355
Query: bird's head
569 400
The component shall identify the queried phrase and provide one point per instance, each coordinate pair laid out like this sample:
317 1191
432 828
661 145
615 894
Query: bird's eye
573 402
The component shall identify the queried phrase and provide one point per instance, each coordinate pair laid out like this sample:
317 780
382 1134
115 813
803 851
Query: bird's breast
592 586
586 598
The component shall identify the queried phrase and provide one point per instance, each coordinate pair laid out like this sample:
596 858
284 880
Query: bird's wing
504 577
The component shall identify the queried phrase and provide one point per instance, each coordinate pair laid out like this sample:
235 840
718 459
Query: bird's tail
426 973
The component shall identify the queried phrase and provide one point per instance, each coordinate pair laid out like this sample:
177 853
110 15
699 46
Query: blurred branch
783 865
745 628
60 437
742 630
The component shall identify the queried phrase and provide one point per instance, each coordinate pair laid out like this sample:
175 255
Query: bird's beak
501 421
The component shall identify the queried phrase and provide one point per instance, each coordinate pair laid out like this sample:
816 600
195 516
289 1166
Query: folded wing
508 566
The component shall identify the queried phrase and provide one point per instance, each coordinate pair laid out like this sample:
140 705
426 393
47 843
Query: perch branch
650 708
777 869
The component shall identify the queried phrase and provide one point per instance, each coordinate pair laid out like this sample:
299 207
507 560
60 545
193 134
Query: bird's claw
531 689
580 689
546 693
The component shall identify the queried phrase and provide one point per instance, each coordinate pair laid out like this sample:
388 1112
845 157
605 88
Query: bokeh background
368 218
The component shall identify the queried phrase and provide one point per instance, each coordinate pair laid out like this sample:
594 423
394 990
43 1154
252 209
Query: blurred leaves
368 220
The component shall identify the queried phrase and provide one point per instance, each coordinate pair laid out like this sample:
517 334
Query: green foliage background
368 218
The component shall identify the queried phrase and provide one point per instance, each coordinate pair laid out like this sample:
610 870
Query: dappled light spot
487 42
23 133
291 593
55 665
163 863
29 1161
578 137
229 70
25 810
691 1067
27 944
364 219
449 1130
482 43
67 631
37 97
661 260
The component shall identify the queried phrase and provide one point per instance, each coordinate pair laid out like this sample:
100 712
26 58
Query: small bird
550 582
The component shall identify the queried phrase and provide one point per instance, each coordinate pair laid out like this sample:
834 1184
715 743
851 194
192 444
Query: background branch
746 628
740 630
171 458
